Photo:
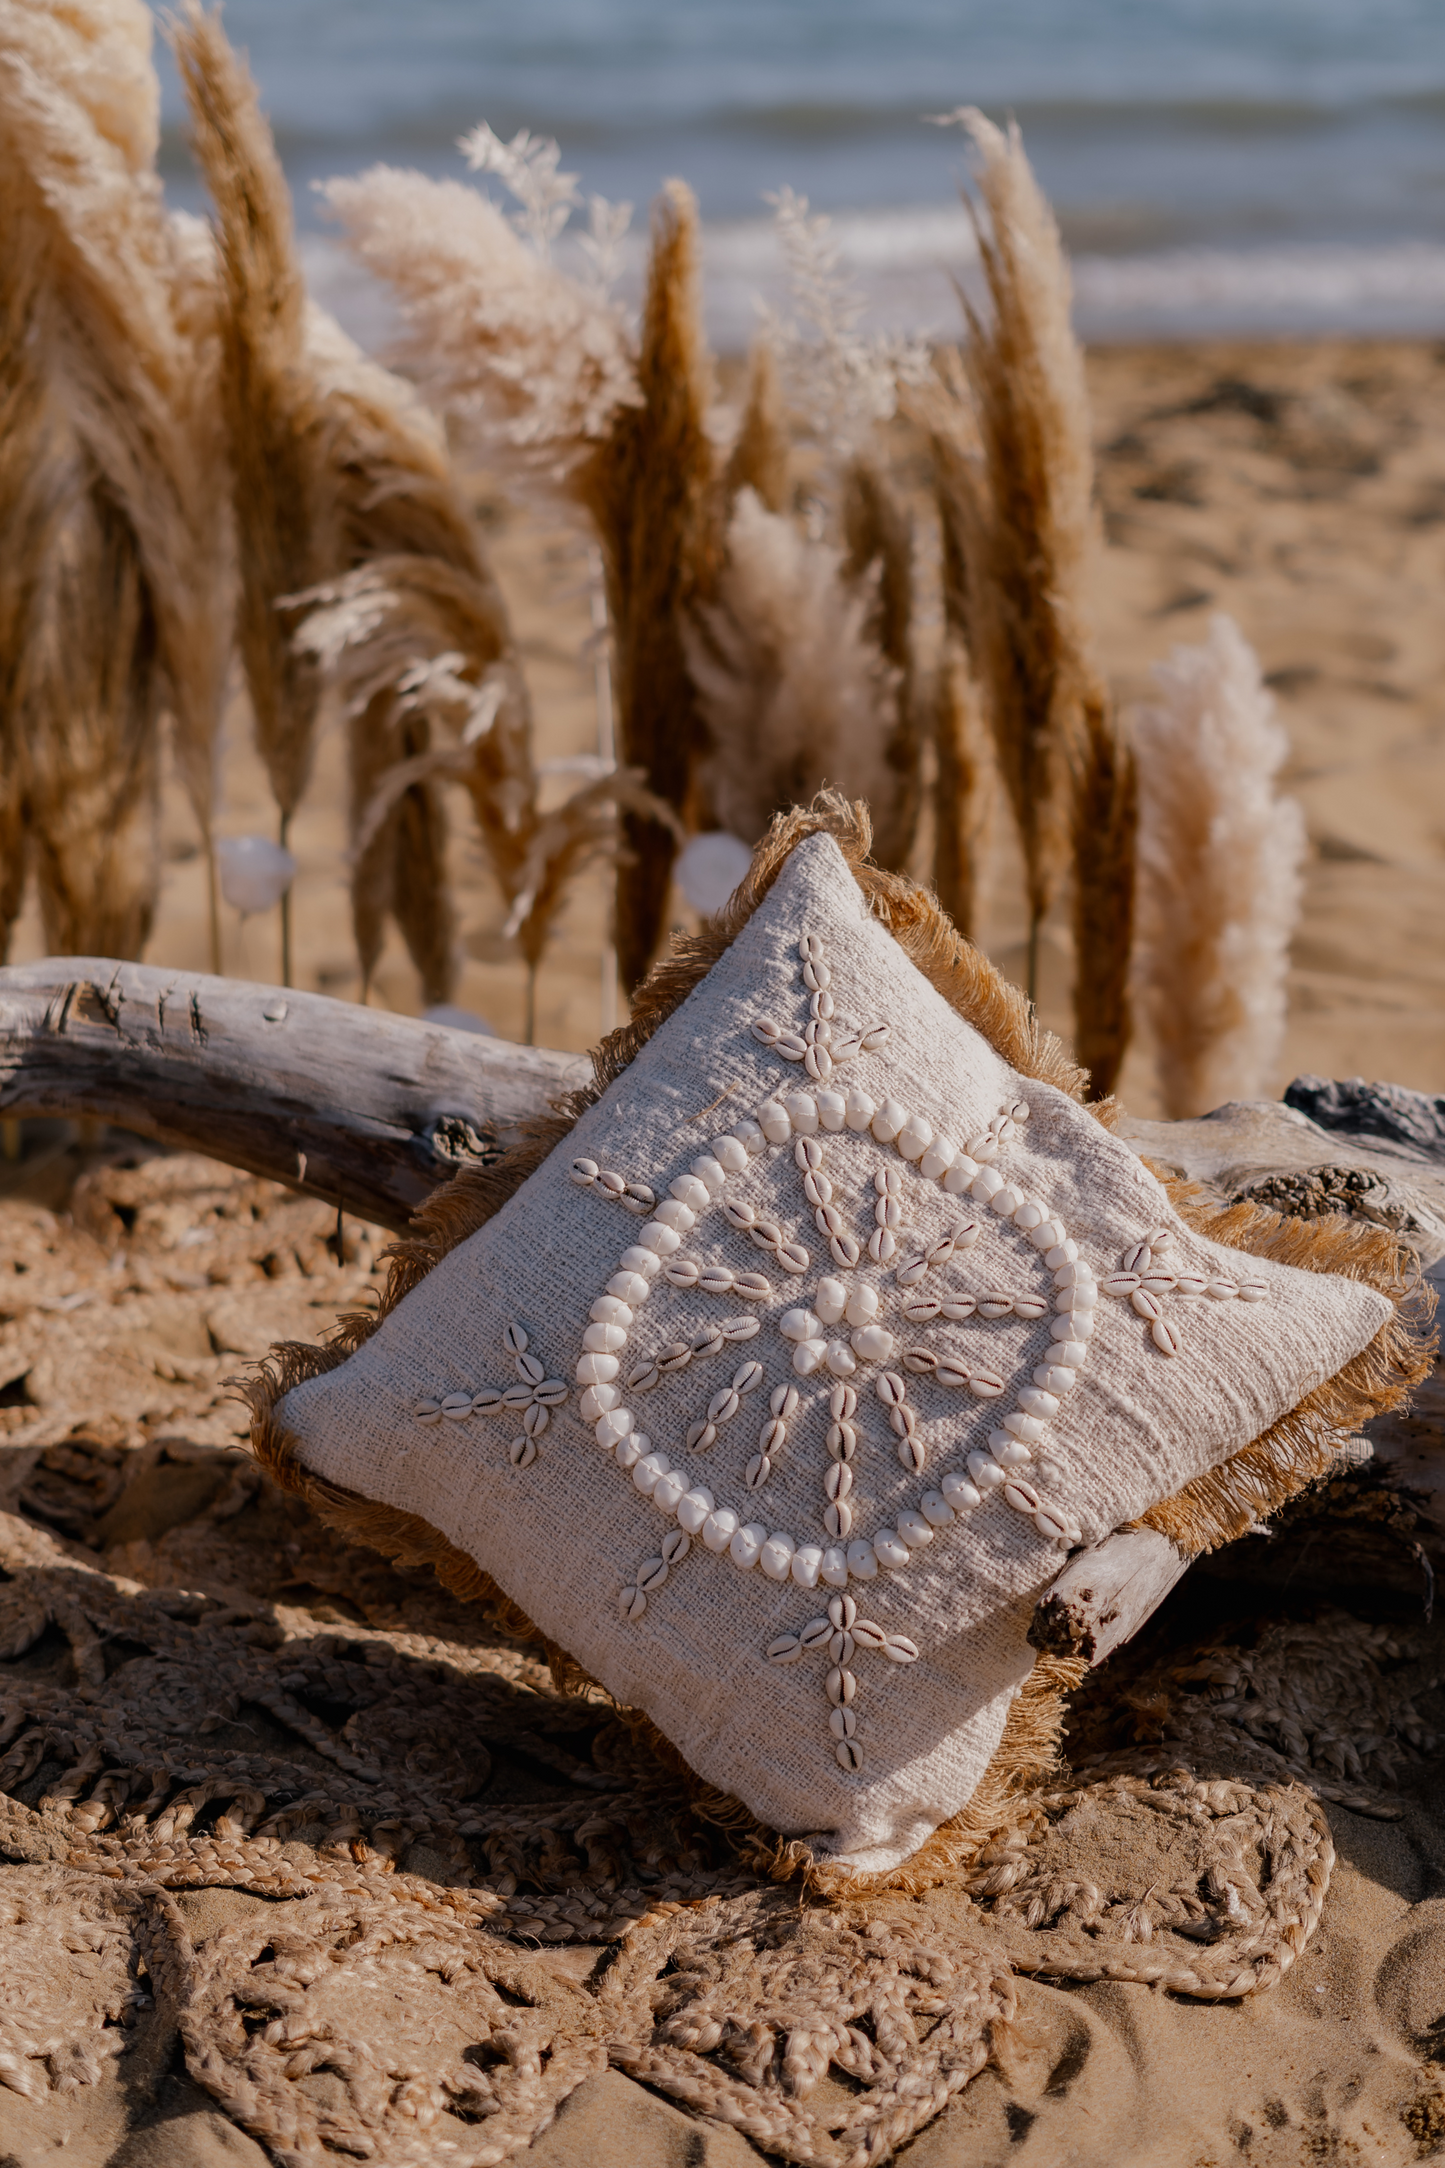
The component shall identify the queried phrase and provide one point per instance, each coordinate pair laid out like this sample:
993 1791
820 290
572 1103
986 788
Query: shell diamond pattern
882 1328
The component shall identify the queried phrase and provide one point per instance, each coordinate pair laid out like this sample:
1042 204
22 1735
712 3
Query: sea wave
907 266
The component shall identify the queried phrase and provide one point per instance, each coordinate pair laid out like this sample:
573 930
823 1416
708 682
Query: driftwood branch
1104 1595
369 1110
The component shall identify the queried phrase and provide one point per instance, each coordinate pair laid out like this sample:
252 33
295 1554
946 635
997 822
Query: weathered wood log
1104 1594
369 1110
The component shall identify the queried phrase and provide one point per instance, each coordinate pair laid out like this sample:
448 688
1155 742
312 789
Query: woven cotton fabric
708 1604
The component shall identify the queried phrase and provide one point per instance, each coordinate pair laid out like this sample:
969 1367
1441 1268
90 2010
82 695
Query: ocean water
1217 165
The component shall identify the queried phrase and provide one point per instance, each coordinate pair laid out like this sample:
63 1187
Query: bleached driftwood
372 1111
369 1110
1104 1594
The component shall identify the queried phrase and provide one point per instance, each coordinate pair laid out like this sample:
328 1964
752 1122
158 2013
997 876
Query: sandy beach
1301 488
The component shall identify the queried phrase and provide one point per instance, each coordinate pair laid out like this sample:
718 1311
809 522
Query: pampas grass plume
1220 857
130 331
1024 506
794 691
1104 818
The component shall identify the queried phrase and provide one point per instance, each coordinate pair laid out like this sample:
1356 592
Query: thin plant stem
283 829
530 1011
1033 970
213 900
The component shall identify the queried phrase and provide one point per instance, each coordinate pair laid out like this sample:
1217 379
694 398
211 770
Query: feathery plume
1104 819
1220 859
276 430
841 382
131 330
795 694
1023 508
90 700
649 490
534 364
759 459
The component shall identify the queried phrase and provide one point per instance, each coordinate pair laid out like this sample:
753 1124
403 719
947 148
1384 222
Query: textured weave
572 1538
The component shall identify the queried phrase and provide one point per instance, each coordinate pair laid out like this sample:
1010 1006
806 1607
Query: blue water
1302 141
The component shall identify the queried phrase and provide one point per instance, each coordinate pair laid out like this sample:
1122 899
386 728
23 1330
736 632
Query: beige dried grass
131 331
957 730
794 692
650 491
1219 874
90 697
760 458
878 540
30 488
1104 819
1022 508
276 429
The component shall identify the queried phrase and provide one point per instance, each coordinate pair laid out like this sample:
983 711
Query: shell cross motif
861 1329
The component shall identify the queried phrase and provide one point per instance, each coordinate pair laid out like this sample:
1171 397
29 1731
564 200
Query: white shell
596 1369
628 1287
632 1603
936 1508
711 1174
428 1411
597 1401
889 1120
799 1325
682 1272
648 1470
937 1160
719 1529
832 1109
1006 1201
746 1544
807 1564
1165 1336
584 1172
1034 1400
985 1471
1222 1290
890 1549
752 1286
862 1561
862 1305
1055 1378
522 1451
749 1136
456 1406
900 1650
961 1175
986 1184
985 1384
1253 1291
679 1217
693 1509
774 1121
802 1111
613 1428
873 1343
785 1650
730 1154
1146 1304
808 1356
776 1557
688 1190
915 1529
860 1109
961 1495
1190 1285
914 1138
848 1753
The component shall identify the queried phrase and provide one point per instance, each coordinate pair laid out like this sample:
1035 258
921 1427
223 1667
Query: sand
1301 488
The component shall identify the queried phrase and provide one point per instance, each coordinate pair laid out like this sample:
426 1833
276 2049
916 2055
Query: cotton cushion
780 1390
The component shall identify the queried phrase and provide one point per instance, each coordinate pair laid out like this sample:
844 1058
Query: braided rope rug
475 1890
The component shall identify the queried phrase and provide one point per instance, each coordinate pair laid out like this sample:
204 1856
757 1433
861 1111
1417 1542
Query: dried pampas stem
879 552
1104 813
29 494
959 803
130 328
1219 873
1023 509
649 490
90 708
274 428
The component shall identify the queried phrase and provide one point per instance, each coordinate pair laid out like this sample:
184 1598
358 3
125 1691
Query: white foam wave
905 261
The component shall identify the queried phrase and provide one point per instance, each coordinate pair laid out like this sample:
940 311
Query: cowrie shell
1146 1304
1165 1336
